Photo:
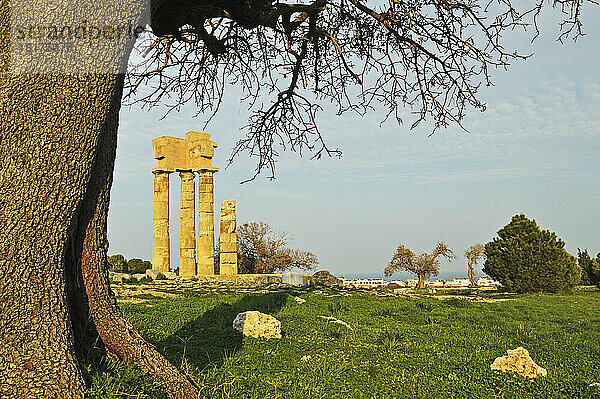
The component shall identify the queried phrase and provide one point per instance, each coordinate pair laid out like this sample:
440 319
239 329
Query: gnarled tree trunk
57 152
471 273
421 281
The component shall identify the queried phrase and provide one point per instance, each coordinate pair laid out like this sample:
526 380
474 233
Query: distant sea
403 276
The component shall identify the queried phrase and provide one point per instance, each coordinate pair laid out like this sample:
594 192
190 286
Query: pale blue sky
535 150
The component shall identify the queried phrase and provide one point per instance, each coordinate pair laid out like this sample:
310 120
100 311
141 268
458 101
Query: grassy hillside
397 347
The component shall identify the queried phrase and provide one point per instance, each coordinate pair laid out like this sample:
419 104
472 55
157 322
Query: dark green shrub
525 258
118 264
136 265
590 268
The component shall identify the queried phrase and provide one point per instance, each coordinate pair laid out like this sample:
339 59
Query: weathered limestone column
206 224
161 252
187 236
228 239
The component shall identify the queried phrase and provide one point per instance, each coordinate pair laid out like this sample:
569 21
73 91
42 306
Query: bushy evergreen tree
117 263
525 258
590 268
136 265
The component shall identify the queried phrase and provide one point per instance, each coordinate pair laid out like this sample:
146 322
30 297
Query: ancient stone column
206 224
161 253
228 239
187 236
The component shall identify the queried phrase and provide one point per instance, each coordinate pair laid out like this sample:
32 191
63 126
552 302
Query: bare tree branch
428 56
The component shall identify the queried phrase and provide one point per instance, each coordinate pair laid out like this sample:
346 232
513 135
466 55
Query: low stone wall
251 278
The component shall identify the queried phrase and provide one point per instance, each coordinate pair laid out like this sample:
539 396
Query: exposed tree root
117 333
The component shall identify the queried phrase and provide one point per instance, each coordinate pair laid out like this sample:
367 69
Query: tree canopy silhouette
288 58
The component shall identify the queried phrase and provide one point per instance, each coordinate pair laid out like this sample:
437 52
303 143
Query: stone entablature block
193 153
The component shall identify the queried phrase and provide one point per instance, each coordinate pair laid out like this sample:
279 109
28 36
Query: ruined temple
189 157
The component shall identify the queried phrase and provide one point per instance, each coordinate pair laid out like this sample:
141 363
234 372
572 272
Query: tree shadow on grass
208 339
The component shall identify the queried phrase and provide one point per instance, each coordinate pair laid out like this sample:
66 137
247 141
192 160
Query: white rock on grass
256 324
299 300
519 361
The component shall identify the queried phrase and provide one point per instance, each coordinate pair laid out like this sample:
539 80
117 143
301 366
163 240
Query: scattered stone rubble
154 274
258 325
140 293
149 275
519 361
170 275
268 283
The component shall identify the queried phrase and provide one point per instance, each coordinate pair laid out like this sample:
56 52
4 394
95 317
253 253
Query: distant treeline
118 264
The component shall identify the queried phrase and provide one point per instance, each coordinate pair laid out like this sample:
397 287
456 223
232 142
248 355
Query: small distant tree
136 265
524 258
264 250
590 268
473 254
118 264
423 266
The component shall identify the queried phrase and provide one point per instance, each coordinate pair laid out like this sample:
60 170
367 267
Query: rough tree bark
58 146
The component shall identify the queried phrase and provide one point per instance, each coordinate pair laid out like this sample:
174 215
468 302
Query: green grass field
399 347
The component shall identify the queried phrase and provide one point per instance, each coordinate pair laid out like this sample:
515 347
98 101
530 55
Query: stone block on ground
519 361
256 324
121 277
154 274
